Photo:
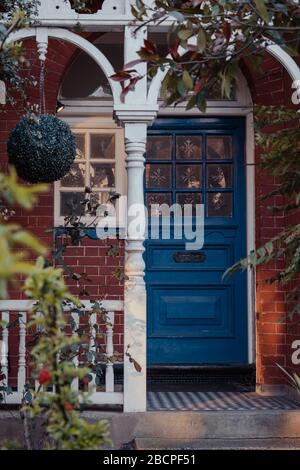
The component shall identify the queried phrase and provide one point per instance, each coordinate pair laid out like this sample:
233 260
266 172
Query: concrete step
217 444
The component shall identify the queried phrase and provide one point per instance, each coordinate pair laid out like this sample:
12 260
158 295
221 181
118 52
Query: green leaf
201 40
185 34
187 80
262 9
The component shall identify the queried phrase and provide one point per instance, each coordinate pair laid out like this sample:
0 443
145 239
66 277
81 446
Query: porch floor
216 401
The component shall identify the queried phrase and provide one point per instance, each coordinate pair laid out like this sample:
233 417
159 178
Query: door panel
194 315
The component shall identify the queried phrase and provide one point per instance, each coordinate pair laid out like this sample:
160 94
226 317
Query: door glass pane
102 175
219 176
102 146
188 176
80 146
158 176
159 147
70 203
189 147
219 147
188 201
219 204
75 177
157 198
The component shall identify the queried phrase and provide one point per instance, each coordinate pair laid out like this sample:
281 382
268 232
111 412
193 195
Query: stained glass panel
102 146
188 201
189 147
219 147
157 198
219 204
75 177
219 176
188 176
102 175
159 147
158 176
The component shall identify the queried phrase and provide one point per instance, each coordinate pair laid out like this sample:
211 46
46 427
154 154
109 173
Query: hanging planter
42 148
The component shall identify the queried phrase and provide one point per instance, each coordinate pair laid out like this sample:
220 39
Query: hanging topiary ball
42 148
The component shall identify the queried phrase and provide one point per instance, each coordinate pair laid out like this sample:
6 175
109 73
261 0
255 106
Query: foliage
293 378
53 356
207 41
42 148
13 239
279 140
14 14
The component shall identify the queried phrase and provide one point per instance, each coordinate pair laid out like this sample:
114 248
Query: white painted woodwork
22 352
8 307
4 346
109 373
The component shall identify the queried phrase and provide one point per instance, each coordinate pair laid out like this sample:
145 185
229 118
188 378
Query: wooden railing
14 336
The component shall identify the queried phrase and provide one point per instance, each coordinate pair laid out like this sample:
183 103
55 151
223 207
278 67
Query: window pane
219 176
158 176
157 198
70 203
75 177
219 147
102 146
80 146
102 175
159 147
189 147
219 204
188 176
188 201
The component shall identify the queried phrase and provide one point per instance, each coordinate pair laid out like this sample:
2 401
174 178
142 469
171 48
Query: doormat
216 401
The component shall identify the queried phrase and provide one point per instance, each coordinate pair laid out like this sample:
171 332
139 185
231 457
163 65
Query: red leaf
174 50
227 30
200 85
122 75
149 47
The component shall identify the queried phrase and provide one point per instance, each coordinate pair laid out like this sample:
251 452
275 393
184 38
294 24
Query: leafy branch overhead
206 42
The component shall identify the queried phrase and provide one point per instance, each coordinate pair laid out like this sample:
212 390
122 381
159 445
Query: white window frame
97 125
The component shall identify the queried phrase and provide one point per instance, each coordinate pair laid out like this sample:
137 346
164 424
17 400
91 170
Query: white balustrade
22 308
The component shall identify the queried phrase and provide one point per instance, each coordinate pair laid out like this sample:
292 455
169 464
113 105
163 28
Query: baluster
22 354
75 381
4 347
109 373
92 343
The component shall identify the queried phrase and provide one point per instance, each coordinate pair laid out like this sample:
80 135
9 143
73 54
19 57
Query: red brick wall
273 336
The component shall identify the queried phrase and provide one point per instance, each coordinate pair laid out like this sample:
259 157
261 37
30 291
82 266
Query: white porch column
135 123
135 114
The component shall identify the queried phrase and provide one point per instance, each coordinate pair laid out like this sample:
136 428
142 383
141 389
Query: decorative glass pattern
189 147
157 198
75 177
188 176
188 201
102 146
219 204
219 176
102 175
219 147
159 147
158 176
70 203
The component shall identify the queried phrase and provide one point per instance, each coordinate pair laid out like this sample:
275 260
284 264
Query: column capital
141 113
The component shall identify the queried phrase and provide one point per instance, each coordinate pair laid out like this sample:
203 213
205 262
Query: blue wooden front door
194 316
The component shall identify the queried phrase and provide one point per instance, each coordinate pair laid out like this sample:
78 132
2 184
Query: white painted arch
76 40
